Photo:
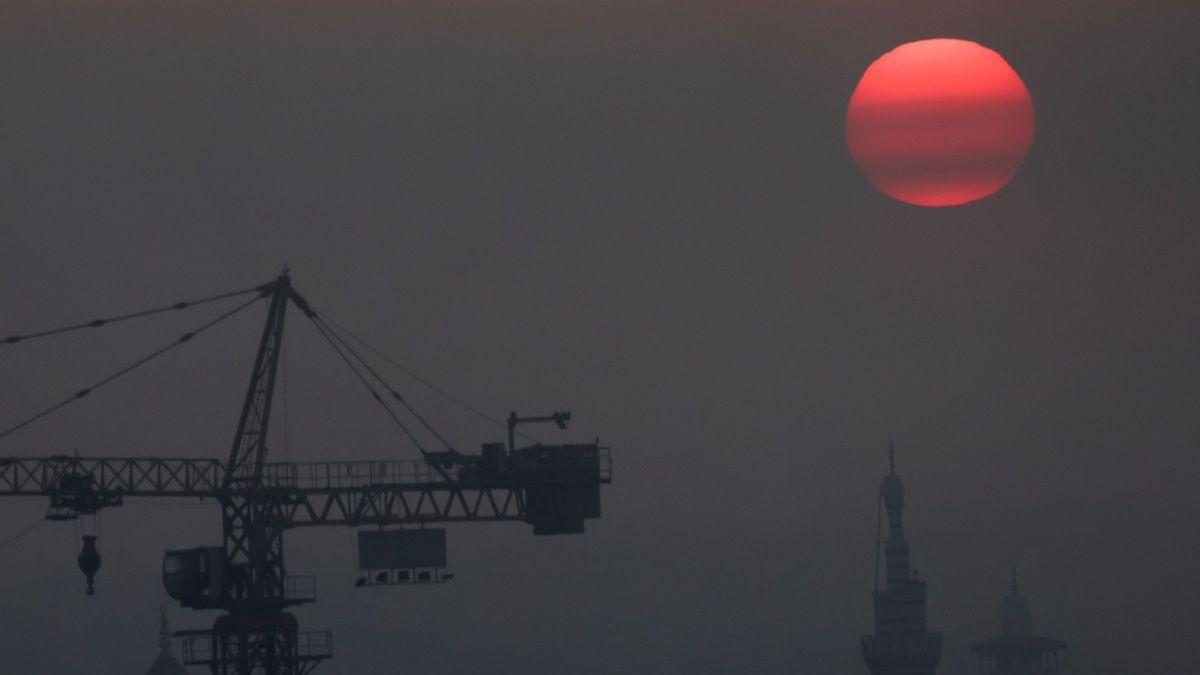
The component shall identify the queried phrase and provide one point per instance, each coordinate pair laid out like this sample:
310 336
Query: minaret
901 644
165 664
1017 651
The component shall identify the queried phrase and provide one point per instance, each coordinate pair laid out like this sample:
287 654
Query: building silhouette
901 644
1017 651
165 664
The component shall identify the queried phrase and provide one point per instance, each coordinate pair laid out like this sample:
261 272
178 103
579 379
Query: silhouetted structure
554 488
1018 651
901 644
165 664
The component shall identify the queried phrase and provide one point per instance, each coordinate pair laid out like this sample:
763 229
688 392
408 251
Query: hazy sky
644 212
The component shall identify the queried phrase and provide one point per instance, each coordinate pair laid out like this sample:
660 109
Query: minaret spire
901 644
891 489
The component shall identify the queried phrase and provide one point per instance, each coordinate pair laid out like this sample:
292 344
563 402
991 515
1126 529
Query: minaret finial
892 455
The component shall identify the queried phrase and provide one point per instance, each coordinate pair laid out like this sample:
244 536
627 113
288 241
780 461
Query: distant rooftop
165 664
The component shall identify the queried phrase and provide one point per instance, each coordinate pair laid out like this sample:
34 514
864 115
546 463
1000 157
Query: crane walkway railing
197 648
196 477
132 476
381 473
353 474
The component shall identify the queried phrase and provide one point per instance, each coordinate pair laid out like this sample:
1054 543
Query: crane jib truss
555 488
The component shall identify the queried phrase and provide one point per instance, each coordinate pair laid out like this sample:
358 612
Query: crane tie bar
186 337
320 320
421 380
97 323
371 390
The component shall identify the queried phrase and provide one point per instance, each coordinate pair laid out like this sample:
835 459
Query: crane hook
89 561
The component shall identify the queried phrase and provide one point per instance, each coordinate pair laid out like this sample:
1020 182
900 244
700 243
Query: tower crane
554 488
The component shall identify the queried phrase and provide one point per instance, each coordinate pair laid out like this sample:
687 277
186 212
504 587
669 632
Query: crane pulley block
73 492
89 561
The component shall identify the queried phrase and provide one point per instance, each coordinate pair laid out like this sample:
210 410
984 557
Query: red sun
940 122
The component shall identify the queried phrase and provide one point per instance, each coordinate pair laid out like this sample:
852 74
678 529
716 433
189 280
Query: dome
892 489
165 664
1015 617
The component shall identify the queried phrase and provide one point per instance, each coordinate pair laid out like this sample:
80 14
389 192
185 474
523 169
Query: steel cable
130 368
97 323
438 390
395 394
22 533
374 394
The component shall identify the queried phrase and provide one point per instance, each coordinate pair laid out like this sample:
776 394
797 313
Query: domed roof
1015 617
165 664
892 489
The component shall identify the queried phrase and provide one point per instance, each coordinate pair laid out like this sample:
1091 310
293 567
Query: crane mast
554 488
255 629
